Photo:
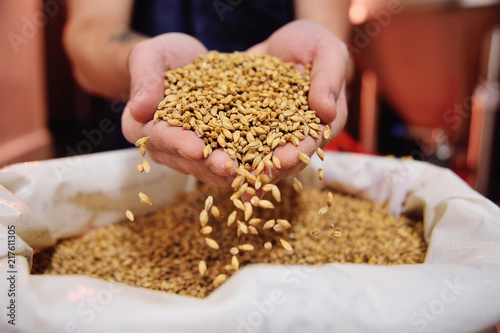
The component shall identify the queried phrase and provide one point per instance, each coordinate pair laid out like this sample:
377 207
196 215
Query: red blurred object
345 142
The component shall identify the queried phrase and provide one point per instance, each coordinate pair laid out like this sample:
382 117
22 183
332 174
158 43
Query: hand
306 43
177 148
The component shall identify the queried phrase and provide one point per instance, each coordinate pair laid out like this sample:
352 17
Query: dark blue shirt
223 25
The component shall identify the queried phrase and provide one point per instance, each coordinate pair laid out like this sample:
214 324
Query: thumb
328 70
146 82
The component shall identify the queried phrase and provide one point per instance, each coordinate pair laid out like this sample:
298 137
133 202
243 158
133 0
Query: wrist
127 40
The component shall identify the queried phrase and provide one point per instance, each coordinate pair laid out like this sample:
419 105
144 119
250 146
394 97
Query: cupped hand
177 148
306 43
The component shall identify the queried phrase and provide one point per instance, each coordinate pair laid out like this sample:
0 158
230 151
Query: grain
207 150
142 149
276 193
145 165
129 215
329 199
284 223
248 210
215 211
142 141
242 226
144 198
297 185
219 279
255 221
316 232
269 224
276 162
231 218
286 245
322 211
202 267
246 247
326 133
304 158
209 201
212 243
245 104
235 262
206 230
320 153
266 204
164 248
336 234
203 218
321 174
239 204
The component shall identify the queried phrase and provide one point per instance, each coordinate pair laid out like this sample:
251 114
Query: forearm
99 50
332 14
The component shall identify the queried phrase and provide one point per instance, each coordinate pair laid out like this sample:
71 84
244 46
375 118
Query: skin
111 61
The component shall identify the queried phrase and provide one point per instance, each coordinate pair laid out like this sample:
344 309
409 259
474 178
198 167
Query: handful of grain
246 104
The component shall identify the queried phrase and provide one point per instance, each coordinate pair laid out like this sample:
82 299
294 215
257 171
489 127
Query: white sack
457 289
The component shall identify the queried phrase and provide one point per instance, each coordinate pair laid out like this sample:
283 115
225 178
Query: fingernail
137 93
334 104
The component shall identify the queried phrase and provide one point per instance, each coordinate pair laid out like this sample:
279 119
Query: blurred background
424 83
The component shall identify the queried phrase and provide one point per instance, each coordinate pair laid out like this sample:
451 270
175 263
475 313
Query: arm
333 15
98 41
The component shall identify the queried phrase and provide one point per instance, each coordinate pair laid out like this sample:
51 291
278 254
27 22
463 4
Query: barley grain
145 165
212 243
202 267
286 245
320 153
231 218
209 201
142 141
203 218
206 230
235 262
215 211
246 247
144 198
322 211
304 158
329 199
321 174
129 215
219 279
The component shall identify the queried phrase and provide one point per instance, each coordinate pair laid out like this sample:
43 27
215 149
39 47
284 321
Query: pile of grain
162 251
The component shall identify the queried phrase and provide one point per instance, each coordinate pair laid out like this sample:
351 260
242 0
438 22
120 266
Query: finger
339 122
146 69
148 62
329 66
132 130
198 169
217 162
289 154
174 139
258 48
